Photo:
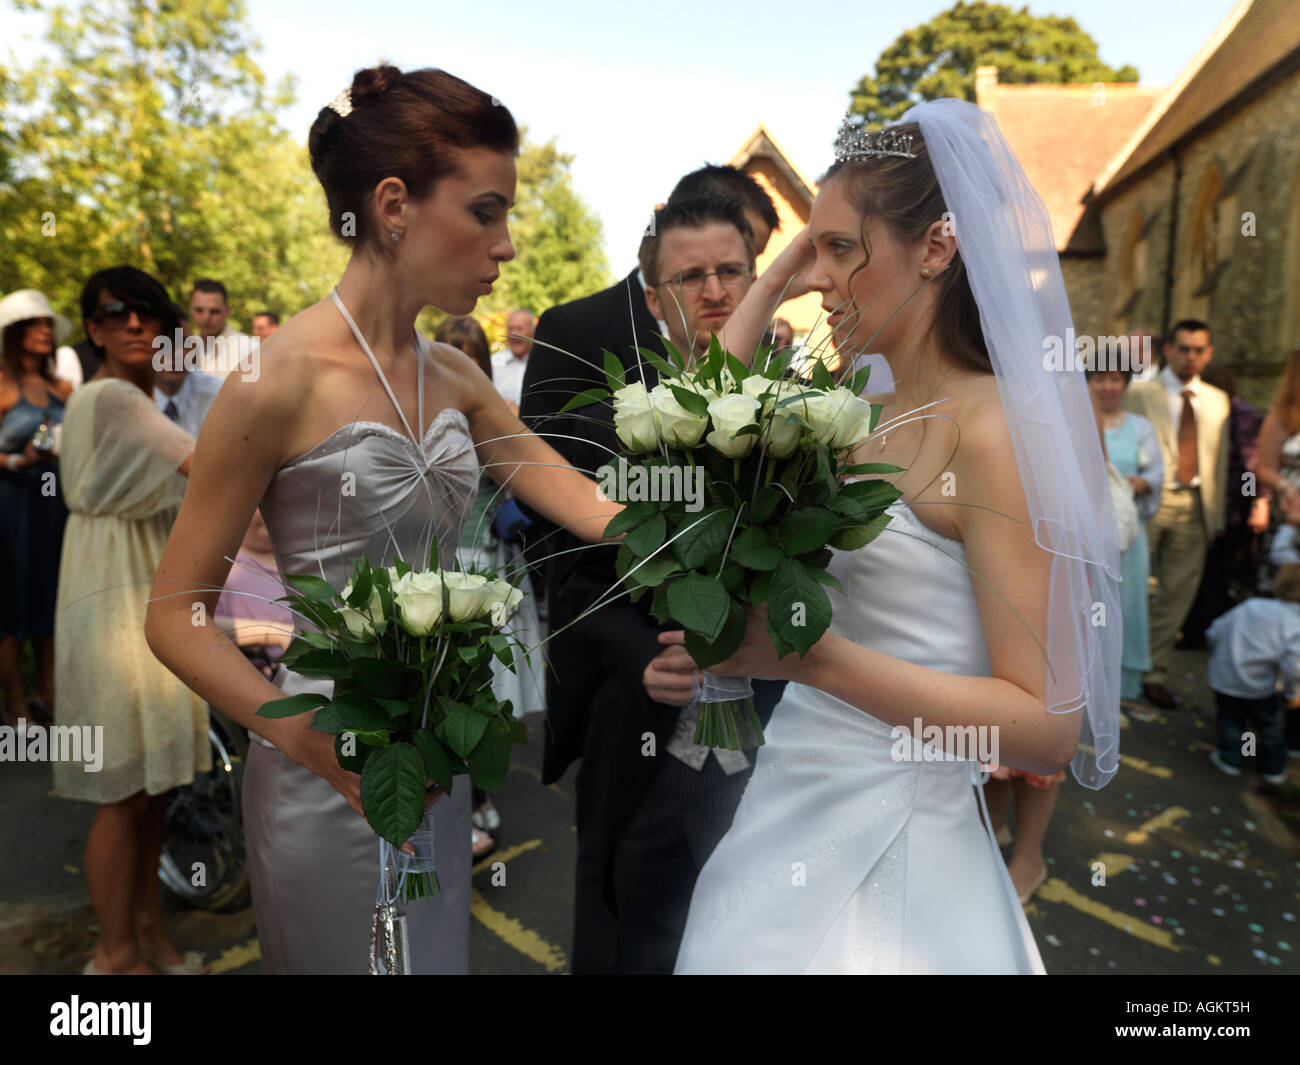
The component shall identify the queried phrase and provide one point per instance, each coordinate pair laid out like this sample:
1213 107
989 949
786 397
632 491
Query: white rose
730 414
839 418
678 426
466 594
633 419
363 625
418 597
782 433
502 601
761 388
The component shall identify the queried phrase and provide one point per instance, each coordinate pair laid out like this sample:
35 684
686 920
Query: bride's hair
406 126
905 195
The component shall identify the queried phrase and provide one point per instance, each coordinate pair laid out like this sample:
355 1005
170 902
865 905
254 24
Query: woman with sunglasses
124 465
32 513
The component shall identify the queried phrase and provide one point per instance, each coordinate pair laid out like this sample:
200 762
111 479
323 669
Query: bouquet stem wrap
727 717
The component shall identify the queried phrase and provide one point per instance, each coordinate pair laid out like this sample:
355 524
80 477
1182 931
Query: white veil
1005 239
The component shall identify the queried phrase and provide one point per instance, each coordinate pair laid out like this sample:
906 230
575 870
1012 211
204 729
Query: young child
1250 646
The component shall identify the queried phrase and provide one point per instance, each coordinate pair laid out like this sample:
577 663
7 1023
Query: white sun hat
28 303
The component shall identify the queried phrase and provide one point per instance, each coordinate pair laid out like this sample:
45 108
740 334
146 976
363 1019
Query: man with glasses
650 808
698 263
1191 421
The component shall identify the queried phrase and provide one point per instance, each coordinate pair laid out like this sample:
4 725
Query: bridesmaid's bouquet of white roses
410 654
734 480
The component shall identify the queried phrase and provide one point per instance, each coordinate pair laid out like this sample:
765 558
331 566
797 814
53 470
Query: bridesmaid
418 171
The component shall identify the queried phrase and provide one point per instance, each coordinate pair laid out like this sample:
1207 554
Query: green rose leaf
866 469
666 371
807 529
652 572
491 758
438 764
754 550
463 728
292 705
758 589
586 399
702 535
798 609
518 731
725 644
312 588
329 719
356 761
699 604
385 678
767 502
322 665
871 494
647 537
392 791
821 576
693 402
614 375
358 711
856 536
629 518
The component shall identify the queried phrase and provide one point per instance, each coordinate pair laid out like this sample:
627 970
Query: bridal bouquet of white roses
734 480
410 653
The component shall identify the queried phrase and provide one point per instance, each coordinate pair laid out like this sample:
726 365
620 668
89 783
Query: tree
939 59
148 137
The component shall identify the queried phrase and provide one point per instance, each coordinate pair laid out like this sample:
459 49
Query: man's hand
671 677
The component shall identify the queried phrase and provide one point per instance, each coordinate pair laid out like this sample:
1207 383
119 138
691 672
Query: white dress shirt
1175 389
227 352
508 374
196 394
1251 645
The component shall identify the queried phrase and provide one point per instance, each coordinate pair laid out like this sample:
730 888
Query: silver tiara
342 103
853 142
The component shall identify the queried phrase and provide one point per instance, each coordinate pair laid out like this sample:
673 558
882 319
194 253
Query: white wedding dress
841 859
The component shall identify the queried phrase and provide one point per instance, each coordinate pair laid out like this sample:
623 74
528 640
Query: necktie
1187 465
175 415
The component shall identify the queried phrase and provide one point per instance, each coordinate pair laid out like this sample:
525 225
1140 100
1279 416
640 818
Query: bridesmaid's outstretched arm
535 472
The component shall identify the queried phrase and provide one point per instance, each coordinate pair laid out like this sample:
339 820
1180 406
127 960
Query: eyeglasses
118 312
692 281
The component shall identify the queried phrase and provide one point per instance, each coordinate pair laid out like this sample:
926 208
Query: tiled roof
1062 135
1256 37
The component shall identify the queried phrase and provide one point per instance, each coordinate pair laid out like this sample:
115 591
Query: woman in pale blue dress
1133 449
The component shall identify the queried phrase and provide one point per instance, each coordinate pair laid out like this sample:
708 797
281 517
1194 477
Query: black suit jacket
568 358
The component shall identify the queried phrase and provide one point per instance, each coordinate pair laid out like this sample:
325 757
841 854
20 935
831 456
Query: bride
988 601
330 439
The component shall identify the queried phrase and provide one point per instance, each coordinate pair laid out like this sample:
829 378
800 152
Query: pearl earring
395 234
925 271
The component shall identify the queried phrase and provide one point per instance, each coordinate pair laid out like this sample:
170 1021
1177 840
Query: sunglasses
118 312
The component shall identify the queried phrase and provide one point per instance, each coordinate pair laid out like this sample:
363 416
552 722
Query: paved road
1201 871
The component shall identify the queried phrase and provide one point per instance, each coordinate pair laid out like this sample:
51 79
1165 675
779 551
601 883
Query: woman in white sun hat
32 511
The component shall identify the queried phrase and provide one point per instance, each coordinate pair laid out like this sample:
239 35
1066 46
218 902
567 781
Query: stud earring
395 235
925 271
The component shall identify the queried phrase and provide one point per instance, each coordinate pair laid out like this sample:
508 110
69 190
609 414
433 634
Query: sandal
1028 893
195 964
481 844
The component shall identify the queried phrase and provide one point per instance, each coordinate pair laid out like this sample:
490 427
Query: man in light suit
1191 422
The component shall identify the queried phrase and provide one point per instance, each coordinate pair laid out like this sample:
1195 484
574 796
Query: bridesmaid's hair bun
371 83
410 126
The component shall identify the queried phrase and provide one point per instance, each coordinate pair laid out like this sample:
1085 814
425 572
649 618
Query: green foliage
147 136
939 58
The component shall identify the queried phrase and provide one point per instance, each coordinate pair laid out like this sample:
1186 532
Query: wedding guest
1252 647
511 363
1132 448
1278 456
713 180
782 334
185 396
223 347
123 469
645 824
1232 561
481 549
1191 422
265 323
32 510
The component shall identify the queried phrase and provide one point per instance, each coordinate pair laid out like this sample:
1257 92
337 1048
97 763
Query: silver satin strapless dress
366 489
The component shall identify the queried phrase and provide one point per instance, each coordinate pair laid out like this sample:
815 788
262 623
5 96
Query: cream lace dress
118 465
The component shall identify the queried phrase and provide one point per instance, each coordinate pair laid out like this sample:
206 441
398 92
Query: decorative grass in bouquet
734 480
410 654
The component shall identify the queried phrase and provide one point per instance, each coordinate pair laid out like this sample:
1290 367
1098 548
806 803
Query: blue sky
642 93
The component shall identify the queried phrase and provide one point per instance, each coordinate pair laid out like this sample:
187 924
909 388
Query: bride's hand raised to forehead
786 278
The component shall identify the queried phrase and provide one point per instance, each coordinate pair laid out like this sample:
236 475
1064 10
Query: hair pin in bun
342 103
